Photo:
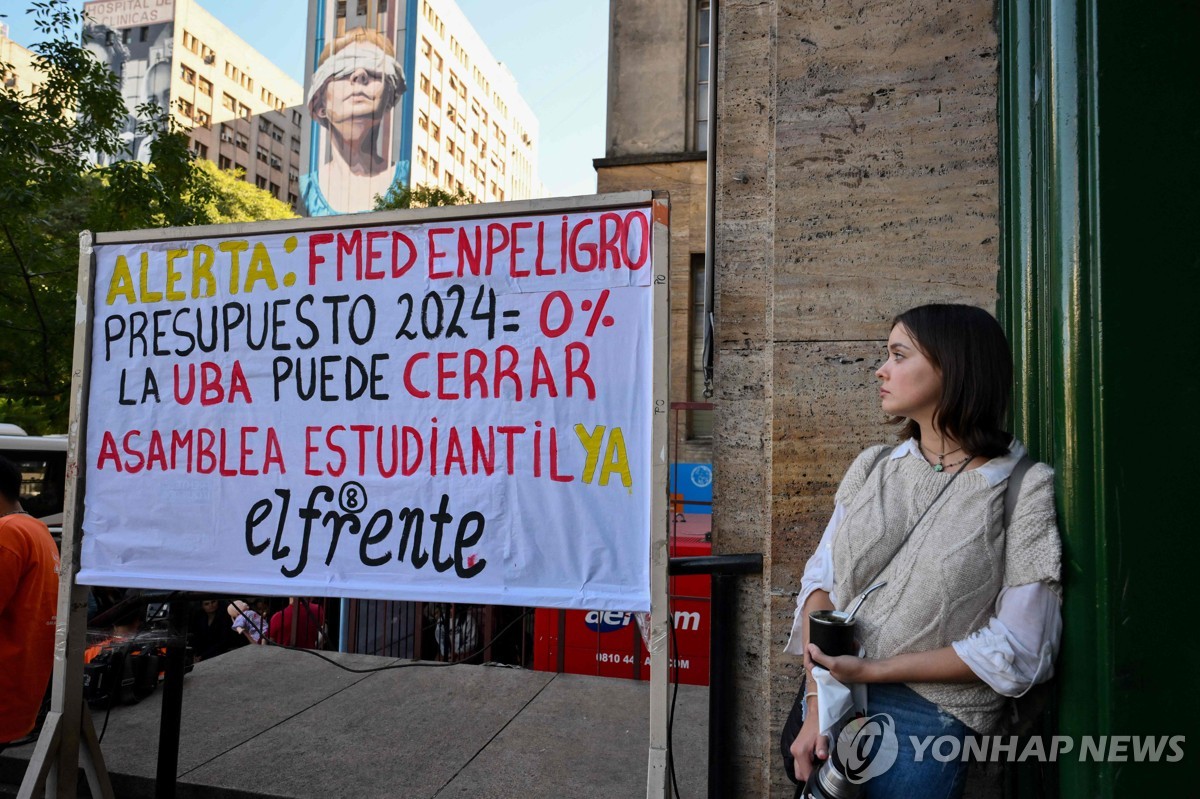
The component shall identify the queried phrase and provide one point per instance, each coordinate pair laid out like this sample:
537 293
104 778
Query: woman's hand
845 669
809 744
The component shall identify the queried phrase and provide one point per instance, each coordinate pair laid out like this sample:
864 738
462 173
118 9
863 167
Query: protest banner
449 405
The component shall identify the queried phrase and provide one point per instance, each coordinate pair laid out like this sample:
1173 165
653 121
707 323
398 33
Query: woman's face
210 605
911 385
356 97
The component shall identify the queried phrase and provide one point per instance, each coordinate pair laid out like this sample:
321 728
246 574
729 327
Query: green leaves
51 189
399 197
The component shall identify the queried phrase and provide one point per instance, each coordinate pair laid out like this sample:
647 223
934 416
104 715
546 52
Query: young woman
971 611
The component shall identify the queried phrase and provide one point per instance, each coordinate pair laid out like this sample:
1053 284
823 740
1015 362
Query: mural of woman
357 84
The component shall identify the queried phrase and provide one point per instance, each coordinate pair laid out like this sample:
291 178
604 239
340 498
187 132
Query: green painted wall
1100 151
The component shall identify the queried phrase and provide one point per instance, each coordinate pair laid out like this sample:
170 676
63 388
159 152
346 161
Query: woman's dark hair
968 348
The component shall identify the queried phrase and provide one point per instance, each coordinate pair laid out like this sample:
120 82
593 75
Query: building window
202 118
205 87
424 84
699 423
224 162
201 150
260 181
229 103
274 190
186 108
700 96
187 74
263 155
436 95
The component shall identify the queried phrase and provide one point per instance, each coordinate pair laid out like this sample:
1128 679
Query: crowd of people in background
217 625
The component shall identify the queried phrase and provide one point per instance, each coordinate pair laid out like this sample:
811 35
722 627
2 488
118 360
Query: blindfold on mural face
365 59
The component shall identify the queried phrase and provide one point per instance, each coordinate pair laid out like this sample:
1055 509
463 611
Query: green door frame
1049 296
1099 114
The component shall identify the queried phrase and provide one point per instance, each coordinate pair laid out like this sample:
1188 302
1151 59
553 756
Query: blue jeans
917 717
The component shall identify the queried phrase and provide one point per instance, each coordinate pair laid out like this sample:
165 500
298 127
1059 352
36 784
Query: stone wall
647 77
856 177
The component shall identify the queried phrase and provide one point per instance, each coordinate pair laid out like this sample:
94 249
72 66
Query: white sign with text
453 411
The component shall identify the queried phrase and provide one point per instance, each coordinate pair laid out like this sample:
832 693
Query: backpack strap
1013 490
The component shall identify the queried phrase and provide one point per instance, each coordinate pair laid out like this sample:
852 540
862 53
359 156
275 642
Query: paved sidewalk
266 722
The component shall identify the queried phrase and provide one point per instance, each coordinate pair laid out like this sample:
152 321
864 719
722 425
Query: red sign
609 644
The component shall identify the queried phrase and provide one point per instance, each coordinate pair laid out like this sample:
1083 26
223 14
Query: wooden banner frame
68 741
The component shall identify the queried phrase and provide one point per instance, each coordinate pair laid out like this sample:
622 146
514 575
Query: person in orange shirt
28 606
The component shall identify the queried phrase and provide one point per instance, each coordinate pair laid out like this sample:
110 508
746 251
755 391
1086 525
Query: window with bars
700 96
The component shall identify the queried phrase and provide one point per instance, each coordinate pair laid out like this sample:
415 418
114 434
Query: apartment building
241 111
405 92
24 76
474 131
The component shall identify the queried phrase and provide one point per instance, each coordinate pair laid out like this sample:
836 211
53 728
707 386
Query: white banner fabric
456 411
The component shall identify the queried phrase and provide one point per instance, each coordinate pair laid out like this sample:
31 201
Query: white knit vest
943 584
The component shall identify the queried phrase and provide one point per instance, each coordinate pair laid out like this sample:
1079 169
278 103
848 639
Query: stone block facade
857 176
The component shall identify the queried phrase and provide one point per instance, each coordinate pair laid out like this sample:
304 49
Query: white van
43 464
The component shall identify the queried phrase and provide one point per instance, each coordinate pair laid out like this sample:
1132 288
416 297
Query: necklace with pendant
941 465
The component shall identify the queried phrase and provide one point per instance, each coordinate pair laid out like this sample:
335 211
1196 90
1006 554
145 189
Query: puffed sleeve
1017 648
1033 548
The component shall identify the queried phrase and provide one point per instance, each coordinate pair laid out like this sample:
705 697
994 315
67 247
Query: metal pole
718 684
172 703
724 570
343 625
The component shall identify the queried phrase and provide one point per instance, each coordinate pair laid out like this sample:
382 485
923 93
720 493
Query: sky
556 49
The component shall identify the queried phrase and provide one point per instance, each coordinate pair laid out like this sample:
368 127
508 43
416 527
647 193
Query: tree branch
45 330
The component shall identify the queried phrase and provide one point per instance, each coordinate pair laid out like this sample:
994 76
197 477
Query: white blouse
1013 652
